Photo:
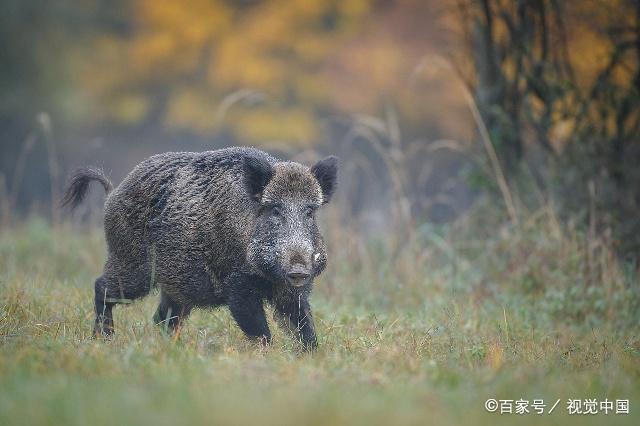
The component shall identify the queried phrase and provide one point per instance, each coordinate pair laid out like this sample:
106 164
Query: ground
423 337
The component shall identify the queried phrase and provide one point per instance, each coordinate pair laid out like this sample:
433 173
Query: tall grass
413 333
418 323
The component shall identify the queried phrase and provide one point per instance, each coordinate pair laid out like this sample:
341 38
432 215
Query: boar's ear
257 174
326 172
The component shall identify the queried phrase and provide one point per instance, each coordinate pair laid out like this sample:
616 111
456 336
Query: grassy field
421 330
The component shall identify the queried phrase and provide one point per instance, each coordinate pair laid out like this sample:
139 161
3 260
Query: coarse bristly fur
232 227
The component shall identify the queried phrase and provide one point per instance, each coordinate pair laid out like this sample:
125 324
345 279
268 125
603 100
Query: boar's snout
298 275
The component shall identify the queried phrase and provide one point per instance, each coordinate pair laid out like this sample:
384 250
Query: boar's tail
78 185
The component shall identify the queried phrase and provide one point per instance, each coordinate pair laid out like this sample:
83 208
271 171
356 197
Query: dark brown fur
231 227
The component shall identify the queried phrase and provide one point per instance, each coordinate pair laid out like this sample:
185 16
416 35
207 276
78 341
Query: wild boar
234 227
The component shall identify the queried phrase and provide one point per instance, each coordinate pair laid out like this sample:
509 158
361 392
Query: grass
412 331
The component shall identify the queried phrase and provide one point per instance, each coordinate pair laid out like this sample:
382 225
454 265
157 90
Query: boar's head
286 245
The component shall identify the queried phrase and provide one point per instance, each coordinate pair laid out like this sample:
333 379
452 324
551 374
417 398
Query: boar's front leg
246 306
295 316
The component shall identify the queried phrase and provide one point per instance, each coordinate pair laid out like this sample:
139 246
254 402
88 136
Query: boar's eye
309 212
276 210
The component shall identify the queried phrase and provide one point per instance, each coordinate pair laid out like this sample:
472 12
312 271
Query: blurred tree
186 65
565 77
38 48
529 73
521 75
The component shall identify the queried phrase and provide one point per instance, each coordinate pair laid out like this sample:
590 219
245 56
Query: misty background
437 108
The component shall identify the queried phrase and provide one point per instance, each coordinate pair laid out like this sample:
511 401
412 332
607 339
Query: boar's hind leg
112 289
245 304
169 314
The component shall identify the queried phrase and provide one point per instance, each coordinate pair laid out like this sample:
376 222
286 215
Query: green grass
416 333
